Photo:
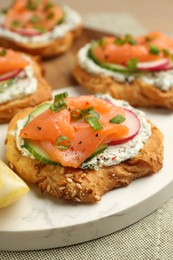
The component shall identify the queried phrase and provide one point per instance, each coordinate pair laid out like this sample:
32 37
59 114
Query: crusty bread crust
83 185
43 93
46 49
137 93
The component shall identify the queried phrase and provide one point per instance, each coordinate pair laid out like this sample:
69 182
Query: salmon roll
41 27
78 148
136 69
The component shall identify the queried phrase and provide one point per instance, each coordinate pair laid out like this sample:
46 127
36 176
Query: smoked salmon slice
11 60
39 15
82 135
120 50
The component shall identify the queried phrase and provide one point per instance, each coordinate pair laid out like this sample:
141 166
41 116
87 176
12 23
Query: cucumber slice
38 152
97 151
5 84
109 66
32 146
40 109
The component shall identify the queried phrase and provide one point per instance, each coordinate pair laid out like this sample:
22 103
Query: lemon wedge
11 186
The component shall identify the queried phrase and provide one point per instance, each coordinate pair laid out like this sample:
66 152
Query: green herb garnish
4 11
40 29
119 41
93 122
32 5
132 64
129 39
63 142
78 114
166 52
3 52
126 39
48 6
50 16
34 19
16 23
59 102
118 119
154 50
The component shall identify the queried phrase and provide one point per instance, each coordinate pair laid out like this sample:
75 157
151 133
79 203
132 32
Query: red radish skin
154 65
10 75
28 32
133 123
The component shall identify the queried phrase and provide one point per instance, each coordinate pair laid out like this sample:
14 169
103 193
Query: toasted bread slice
43 93
83 185
137 93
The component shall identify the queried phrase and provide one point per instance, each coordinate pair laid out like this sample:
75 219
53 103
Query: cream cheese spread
162 80
113 155
23 84
71 21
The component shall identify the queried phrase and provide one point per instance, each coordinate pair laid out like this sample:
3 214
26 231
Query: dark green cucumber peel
32 146
110 66
38 152
98 151
40 109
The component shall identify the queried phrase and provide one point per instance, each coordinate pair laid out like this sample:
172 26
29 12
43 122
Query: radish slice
154 65
169 67
28 32
133 123
10 75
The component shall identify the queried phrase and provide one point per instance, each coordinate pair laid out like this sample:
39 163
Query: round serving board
37 221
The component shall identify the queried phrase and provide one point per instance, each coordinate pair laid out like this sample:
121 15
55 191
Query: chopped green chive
93 122
48 6
132 64
32 6
127 39
63 142
154 50
59 102
86 111
76 114
94 113
119 41
3 52
34 19
16 23
4 11
40 29
118 119
50 15
101 41
166 52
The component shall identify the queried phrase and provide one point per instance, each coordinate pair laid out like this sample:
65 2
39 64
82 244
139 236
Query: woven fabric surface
151 237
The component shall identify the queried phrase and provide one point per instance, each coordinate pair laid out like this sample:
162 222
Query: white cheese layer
116 154
113 155
162 80
24 84
71 21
